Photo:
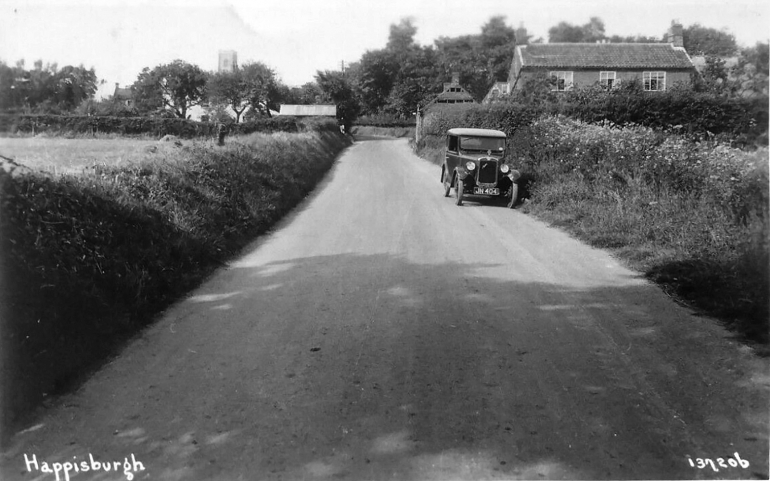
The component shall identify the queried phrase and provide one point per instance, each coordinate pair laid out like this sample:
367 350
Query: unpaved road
384 333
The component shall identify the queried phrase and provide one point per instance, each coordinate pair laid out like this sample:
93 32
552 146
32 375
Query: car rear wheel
459 187
447 182
513 197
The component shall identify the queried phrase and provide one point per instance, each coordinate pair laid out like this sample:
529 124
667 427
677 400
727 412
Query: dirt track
384 333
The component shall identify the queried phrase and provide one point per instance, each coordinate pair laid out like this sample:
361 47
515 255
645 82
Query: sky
298 37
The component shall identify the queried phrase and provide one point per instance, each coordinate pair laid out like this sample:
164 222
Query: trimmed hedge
155 126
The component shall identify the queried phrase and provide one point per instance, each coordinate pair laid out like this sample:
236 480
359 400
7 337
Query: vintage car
475 164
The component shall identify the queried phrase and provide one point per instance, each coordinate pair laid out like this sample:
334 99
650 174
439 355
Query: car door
452 156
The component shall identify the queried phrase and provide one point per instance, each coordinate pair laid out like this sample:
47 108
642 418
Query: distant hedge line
91 125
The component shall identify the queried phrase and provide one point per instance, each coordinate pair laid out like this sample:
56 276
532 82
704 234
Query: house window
563 81
607 79
654 81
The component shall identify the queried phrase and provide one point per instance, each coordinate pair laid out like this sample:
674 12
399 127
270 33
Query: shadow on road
405 370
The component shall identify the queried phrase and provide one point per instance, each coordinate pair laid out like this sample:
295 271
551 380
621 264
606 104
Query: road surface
382 332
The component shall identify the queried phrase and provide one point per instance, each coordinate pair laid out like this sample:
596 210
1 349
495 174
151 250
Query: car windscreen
495 144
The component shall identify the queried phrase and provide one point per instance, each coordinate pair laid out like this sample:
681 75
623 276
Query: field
61 155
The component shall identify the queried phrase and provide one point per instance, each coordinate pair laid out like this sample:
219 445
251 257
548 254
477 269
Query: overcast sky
298 37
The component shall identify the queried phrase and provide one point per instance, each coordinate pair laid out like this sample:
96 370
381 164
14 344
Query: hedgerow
87 260
153 126
692 215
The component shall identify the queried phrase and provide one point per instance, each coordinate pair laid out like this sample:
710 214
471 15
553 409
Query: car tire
447 183
514 196
459 187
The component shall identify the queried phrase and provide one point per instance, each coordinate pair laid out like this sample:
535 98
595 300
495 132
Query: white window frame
566 77
608 79
658 77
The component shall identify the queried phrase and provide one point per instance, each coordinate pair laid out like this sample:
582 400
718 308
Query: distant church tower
228 60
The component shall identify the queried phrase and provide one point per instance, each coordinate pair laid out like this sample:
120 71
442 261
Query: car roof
476 132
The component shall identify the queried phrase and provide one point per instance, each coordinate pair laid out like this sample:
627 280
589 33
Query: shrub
155 126
92 257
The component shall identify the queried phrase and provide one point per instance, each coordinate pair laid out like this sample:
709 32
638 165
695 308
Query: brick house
658 66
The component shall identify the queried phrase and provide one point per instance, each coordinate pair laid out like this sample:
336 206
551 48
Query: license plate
486 190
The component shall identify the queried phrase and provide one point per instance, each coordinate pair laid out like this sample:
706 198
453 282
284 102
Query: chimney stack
675 36
455 78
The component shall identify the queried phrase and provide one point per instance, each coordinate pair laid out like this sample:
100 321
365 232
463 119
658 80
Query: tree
522 36
228 89
338 89
750 75
635 39
73 85
263 92
377 72
45 88
176 87
700 40
566 32
402 35
498 42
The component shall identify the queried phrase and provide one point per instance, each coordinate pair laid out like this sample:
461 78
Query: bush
683 111
154 126
92 257
692 215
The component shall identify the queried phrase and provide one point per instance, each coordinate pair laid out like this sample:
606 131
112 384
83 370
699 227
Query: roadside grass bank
87 261
691 216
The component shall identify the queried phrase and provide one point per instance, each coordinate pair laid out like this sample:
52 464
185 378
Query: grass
693 217
88 260
60 155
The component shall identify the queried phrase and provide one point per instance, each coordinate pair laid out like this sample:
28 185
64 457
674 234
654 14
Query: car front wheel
459 187
513 196
447 183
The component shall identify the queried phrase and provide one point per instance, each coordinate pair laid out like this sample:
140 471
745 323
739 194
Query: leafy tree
402 35
263 93
750 75
568 33
230 89
377 73
522 36
338 89
498 42
417 79
635 39
700 40
45 88
73 85
714 77
175 87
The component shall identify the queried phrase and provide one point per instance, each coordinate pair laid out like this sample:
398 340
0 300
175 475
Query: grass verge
692 217
88 260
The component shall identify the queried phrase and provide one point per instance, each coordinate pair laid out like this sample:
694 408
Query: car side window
452 144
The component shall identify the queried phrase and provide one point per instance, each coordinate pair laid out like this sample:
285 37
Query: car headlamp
470 165
515 174
505 168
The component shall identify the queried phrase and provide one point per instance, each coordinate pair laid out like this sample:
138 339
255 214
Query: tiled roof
603 55
303 110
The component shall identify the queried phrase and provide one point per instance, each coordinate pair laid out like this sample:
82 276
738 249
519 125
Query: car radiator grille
487 172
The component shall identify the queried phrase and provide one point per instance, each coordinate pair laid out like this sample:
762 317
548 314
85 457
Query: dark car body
475 165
